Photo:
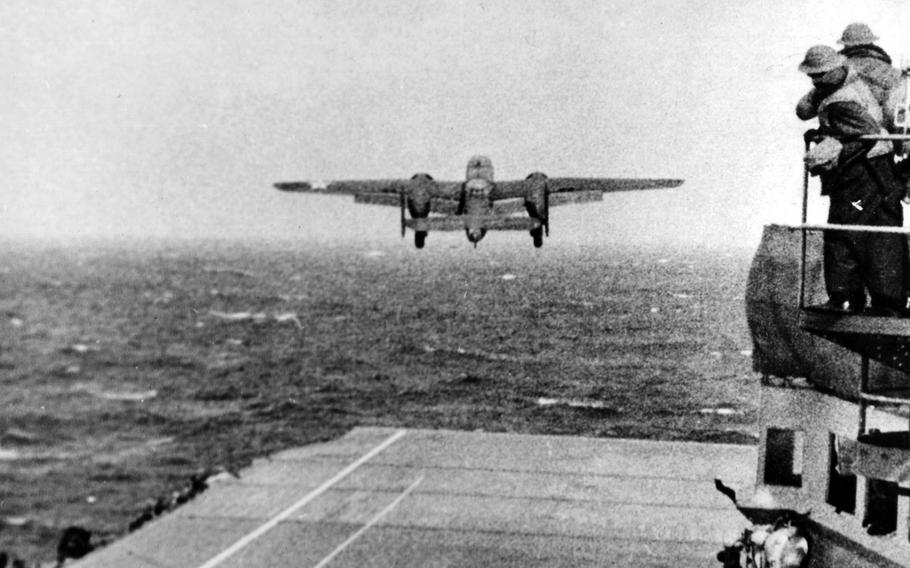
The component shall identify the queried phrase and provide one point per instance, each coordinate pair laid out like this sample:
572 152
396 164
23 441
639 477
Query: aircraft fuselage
475 206
476 202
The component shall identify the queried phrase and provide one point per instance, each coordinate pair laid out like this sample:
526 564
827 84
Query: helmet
857 34
821 59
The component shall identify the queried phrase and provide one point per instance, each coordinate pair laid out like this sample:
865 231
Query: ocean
129 367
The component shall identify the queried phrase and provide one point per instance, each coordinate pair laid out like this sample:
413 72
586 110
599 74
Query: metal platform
882 339
886 340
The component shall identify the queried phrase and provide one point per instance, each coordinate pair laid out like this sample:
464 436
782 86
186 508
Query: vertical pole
802 256
863 388
401 204
862 484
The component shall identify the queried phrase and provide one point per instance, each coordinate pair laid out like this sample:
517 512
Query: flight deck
395 497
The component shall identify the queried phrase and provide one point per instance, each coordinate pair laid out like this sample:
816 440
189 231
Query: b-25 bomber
478 204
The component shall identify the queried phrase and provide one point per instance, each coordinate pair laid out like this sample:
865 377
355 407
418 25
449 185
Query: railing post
803 245
863 389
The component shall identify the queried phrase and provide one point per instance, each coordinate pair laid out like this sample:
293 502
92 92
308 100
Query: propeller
546 211
401 202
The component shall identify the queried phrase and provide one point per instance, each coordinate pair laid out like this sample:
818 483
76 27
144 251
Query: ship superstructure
835 407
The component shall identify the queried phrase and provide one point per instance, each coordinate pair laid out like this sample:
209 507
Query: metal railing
805 227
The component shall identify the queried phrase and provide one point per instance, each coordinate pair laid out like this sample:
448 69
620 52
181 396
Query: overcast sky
173 117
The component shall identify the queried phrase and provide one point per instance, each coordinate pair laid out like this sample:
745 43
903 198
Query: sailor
871 63
860 180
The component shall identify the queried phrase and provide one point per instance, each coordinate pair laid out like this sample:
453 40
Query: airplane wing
351 187
589 186
444 194
437 205
605 185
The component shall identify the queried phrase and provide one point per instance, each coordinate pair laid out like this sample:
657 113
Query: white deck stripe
366 527
271 523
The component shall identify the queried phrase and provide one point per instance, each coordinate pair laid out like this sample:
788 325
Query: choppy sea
127 368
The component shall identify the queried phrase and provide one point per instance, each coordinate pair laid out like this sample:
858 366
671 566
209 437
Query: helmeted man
859 179
871 63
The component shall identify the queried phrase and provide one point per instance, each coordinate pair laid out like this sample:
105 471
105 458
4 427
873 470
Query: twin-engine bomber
478 204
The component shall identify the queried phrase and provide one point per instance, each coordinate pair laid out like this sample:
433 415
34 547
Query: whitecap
7 455
258 317
720 411
571 402
508 277
288 317
234 316
127 396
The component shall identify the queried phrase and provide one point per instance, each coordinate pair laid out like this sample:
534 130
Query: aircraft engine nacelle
418 194
536 195
417 197
537 198
537 204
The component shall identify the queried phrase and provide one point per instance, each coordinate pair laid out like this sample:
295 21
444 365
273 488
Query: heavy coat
863 190
873 64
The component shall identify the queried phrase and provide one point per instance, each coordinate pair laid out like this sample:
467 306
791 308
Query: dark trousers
866 194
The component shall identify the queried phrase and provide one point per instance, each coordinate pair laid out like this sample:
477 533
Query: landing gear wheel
537 234
420 238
